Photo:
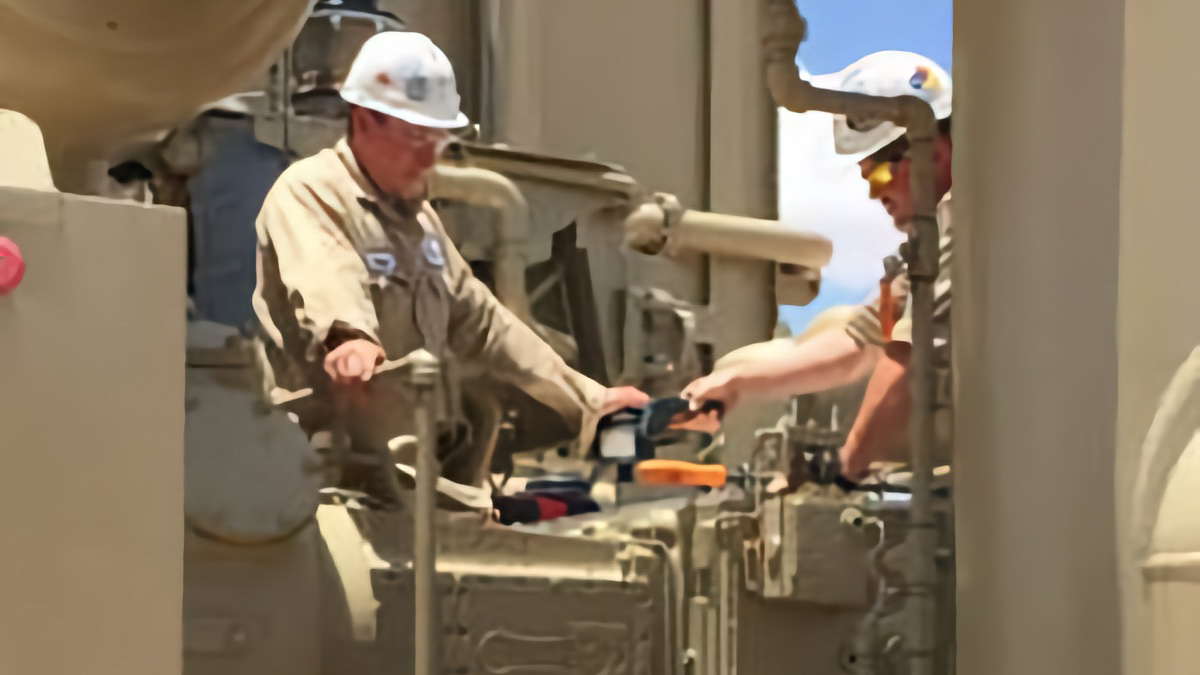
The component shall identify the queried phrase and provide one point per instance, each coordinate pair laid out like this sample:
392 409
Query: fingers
634 398
350 366
695 392
617 398
703 390
353 361
709 423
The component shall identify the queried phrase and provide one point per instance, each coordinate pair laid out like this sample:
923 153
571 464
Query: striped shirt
865 326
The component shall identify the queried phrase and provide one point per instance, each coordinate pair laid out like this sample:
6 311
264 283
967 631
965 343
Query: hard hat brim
857 156
410 116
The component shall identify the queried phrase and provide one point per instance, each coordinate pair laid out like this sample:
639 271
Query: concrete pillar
1037 208
1158 324
91 422
740 168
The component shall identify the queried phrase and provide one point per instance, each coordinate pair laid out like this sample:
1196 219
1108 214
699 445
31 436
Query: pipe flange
672 215
671 208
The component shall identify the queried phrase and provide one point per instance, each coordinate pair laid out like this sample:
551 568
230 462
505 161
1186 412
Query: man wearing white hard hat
877 340
355 267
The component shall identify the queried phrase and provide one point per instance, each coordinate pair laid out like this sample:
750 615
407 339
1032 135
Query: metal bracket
692 320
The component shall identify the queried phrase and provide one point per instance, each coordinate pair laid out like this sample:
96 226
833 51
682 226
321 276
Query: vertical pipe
489 40
923 254
781 40
740 140
423 377
481 187
517 102
286 85
724 606
706 103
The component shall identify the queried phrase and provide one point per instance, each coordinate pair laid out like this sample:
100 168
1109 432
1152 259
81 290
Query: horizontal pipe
572 173
651 227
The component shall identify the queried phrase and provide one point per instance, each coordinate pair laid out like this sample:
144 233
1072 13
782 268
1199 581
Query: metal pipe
482 187
662 224
867 635
672 598
785 30
423 377
489 39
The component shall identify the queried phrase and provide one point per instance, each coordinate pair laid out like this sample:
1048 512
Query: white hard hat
404 75
887 73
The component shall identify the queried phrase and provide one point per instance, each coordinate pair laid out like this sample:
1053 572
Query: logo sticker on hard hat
923 79
416 84
431 248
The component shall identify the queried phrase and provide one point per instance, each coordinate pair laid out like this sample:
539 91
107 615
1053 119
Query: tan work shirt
339 260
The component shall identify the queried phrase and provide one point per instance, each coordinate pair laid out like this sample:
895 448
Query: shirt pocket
431 309
392 295
413 308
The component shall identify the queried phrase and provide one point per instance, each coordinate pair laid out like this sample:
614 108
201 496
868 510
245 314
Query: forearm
880 429
484 331
832 359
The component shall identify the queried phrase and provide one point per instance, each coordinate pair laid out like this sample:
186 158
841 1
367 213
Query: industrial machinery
773 571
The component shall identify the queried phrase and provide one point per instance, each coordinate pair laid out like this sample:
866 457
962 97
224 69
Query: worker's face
887 175
396 155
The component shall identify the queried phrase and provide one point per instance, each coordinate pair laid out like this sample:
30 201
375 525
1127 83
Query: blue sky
818 190
842 31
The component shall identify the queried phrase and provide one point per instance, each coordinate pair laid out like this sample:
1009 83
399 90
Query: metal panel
91 422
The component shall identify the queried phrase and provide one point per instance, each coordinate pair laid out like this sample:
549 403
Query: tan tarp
95 71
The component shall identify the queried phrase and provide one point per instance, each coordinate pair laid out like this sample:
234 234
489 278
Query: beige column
1159 323
91 428
741 170
1038 97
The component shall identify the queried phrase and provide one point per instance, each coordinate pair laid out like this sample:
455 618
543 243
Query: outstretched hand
617 398
723 386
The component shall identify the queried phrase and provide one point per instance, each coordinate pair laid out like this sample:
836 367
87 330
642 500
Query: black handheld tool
632 434
659 415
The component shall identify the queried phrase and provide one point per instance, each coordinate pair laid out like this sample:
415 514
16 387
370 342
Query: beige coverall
338 260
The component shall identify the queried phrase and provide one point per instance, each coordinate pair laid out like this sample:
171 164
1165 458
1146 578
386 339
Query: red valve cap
12 265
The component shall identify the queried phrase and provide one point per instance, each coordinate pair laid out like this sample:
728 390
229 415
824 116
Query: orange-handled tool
887 309
677 472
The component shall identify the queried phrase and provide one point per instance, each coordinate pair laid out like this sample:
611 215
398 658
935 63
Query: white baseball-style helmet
887 73
405 75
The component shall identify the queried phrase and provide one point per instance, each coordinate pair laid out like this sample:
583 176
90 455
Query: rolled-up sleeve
483 330
313 285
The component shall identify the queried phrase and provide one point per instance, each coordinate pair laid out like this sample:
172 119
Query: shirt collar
369 191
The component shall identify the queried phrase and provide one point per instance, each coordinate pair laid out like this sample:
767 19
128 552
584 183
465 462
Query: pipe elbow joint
918 119
482 187
787 88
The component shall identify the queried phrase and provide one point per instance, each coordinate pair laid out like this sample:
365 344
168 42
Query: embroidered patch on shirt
380 263
431 248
